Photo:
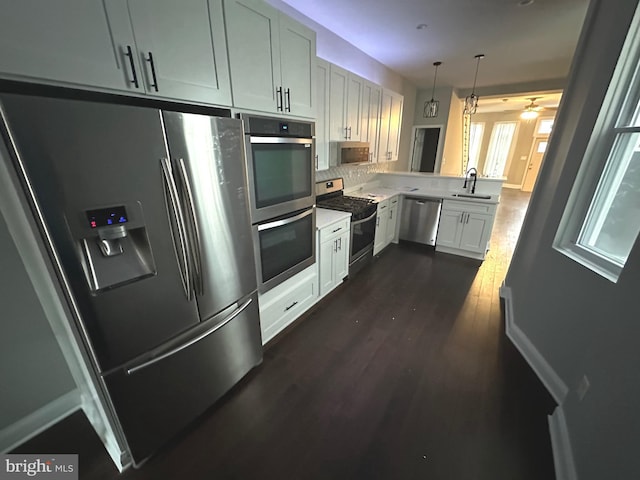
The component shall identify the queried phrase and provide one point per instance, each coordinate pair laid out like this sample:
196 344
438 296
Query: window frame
623 91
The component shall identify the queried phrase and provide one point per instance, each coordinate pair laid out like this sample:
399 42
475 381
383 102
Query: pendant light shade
471 102
431 107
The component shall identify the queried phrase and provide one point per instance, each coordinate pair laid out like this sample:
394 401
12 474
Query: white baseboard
511 185
551 380
561 445
38 421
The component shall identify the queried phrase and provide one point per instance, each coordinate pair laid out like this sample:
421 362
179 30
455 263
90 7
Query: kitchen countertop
325 217
380 194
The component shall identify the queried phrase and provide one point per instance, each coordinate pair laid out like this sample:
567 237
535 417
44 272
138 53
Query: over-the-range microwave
353 153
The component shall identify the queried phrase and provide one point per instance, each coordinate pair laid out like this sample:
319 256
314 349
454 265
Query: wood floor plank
404 372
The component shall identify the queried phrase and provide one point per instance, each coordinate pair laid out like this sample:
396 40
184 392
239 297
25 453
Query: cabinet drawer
334 230
288 303
458 206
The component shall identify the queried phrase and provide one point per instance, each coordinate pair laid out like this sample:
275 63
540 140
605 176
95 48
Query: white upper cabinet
271 58
181 49
297 66
158 47
322 114
354 107
338 85
66 41
390 124
371 97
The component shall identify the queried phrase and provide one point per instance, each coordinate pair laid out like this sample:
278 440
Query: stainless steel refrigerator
146 216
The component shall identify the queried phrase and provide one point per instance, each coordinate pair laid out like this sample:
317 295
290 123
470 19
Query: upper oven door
284 247
281 175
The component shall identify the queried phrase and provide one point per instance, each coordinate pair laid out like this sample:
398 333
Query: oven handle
305 141
284 221
357 222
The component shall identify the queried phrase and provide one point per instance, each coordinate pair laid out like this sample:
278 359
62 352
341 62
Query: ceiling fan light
529 114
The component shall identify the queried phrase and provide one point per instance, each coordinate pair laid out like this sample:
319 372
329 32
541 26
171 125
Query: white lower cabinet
465 228
283 304
386 223
381 227
333 255
392 222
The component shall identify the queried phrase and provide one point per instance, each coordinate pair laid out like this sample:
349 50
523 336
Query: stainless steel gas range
330 194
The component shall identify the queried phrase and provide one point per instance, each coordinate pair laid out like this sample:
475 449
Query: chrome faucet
472 173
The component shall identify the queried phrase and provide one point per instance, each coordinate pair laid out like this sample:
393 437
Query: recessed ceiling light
524 3
421 26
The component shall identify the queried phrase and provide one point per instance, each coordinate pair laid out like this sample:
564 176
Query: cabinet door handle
340 244
336 230
346 133
290 306
287 97
279 99
390 214
149 59
335 245
462 217
377 221
467 221
316 162
133 67
349 133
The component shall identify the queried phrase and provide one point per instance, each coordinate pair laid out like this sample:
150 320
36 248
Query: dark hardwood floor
404 372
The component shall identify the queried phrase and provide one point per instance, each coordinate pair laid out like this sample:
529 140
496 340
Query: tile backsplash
353 175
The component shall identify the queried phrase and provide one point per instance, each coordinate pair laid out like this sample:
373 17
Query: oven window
362 235
285 246
282 172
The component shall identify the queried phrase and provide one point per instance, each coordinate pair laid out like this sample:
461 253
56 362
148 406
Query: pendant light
471 102
431 107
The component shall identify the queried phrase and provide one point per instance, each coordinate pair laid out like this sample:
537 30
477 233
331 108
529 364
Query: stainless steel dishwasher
420 217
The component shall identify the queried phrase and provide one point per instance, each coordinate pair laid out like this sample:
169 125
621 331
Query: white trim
545 372
512 185
563 462
39 420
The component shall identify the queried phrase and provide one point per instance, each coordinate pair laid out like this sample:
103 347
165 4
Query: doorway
538 149
427 149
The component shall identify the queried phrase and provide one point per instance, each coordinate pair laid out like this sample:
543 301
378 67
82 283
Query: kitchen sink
472 195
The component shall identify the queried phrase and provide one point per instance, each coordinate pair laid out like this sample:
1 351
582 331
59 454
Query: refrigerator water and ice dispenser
115 247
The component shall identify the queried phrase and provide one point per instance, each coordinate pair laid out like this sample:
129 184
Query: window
602 221
544 127
499 148
475 143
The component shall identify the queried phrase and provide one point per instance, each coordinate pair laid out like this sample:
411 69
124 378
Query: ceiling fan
532 110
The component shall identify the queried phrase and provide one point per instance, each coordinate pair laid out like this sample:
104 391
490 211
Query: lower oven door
284 246
363 234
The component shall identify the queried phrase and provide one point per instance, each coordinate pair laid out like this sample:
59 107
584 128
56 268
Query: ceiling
522 44
505 103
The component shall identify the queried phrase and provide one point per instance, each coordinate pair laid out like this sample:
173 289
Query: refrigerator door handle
194 340
174 213
190 212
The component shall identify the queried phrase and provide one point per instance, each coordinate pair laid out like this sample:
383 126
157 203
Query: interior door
535 162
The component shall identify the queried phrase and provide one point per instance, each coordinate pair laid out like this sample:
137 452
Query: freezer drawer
420 217
156 397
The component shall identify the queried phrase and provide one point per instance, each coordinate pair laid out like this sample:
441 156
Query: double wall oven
281 171
330 195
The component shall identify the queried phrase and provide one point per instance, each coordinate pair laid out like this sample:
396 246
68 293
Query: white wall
579 322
